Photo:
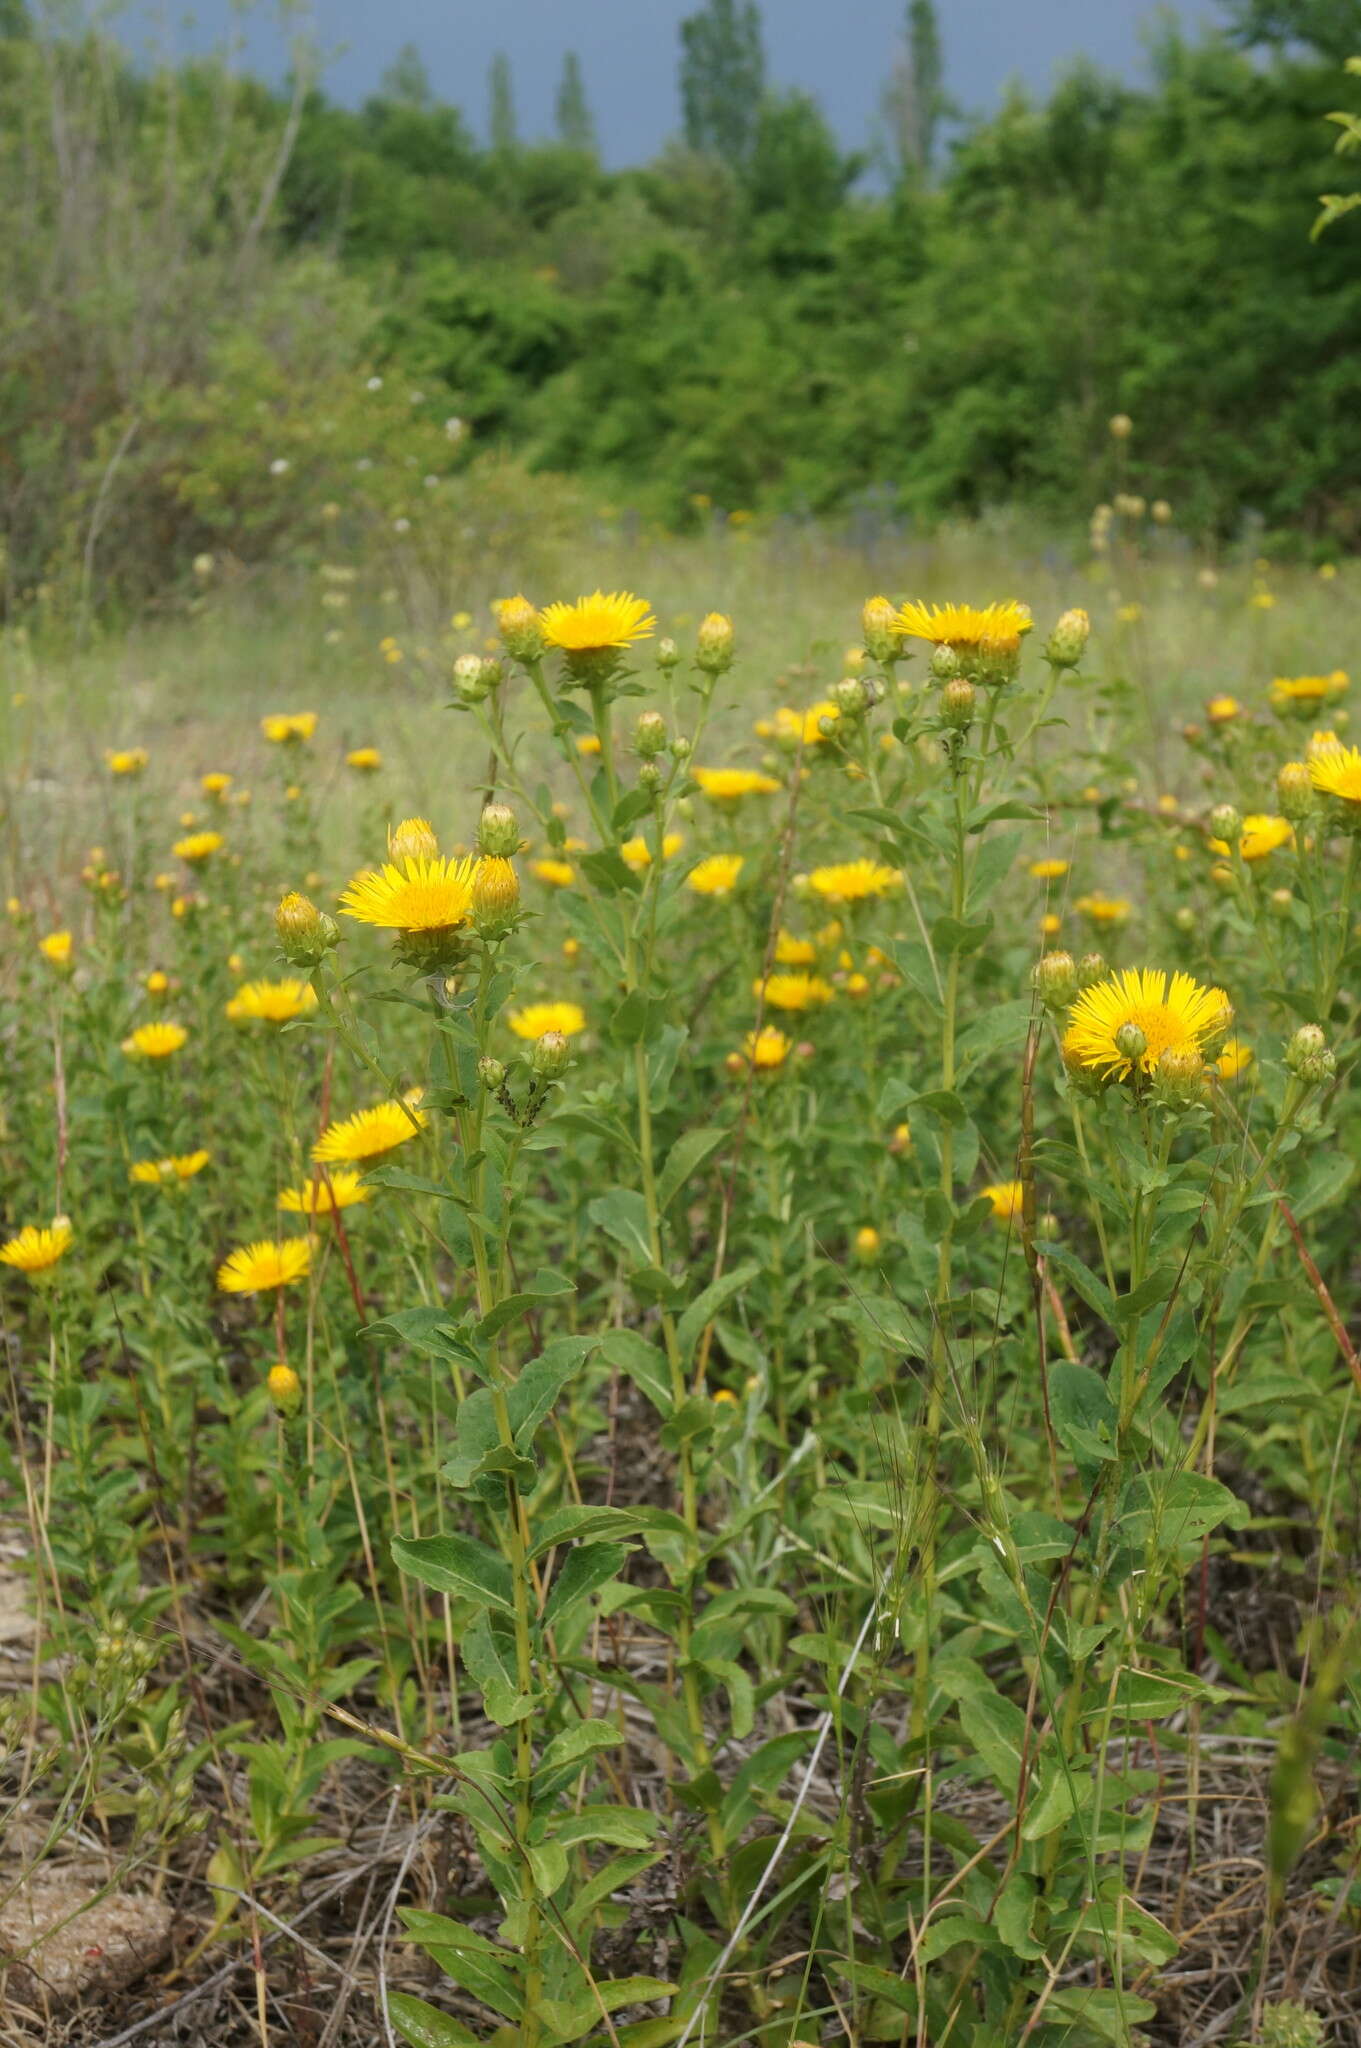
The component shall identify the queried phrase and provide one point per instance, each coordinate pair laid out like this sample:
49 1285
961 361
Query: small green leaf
707 1305
685 1158
543 1287
425 2026
643 1362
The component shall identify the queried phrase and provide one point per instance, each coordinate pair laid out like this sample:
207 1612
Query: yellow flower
198 846
37 1246
716 876
794 726
559 874
1233 1059
792 952
366 760
271 1002
125 760
638 853
1103 910
422 895
767 1048
794 991
728 785
370 1131
282 726
995 628
1336 771
1049 870
1050 925
1325 742
163 1172
461 621
56 947
1129 614
155 1041
866 1242
216 783
1306 693
1007 1197
339 1190
588 743
255 1268
1262 601
536 1018
1130 1020
852 881
1261 836
593 624
156 983
1221 710
413 839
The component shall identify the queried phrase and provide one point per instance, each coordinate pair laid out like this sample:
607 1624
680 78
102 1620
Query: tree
1332 27
914 99
722 78
504 137
406 82
576 128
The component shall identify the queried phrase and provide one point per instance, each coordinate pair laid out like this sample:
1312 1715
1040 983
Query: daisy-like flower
271 1002
729 785
37 1246
536 1018
1223 710
341 1189
370 1132
794 991
364 760
716 876
794 952
282 726
419 895
125 760
1336 772
559 874
155 1041
216 783
767 1048
56 948
182 1166
1232 1059
198 846
853 881
994 628
1049 870
638 853
1007 1197
156 983
1261 835
1130 1021
1304 694
791 727
258 1268
1103 910
599 624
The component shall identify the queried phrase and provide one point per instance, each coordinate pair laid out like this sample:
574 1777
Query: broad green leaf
601 1524
643 1362
685 1158
457 1565
543 1287
588 1567
1083 1412
622 1215
548 1861
707 1305
474 1963
1167 1511
424 2026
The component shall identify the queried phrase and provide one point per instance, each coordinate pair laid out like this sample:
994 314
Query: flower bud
1121 426
498 830
1160 512
1309 1057
518 624
285 1390
649 734
878 621
866 1244
680 748
714 644
1091 968
1221 874
1180 1077
413 839
305 933
1294 791
650 777
1184 918
668 654
944 664
496 896
1054 977
1068 641
470 678
1279 902
550 1055
849 697
957 701
1226 823
901 1142
491 1073
1131 1043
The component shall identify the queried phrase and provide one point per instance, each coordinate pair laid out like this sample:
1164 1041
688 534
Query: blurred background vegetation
230 314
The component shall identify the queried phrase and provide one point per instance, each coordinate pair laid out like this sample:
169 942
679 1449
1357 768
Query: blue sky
838 49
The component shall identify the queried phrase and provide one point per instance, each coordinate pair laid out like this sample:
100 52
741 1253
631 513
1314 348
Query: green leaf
1013 1910
474 1963
610 873
623 1827
433 1332
1093 1291
622 1215
1108 2014
1167 1511
543 1287
425 2026
685 1158
707 1305
1083 1412
548 1862
601 1524
1006 807
489 1655
953 935
645 1365
588 1567
1004 1025
458 1565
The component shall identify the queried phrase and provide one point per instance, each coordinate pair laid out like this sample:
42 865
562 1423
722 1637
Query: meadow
678 1297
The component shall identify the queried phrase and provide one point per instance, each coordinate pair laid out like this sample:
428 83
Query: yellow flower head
155 1041
594 624
216 783
638 853
282 726
588 743
1051 924
271 1002
182 1166
853 881
37 1246
1306 693
56 948
1233 1058
794 991
1336 772
559 874
1129 1021
996 628
341 1189
791 727
125 760
198 846
716 876
412 839
1049 870
364 760
1103 910
1223 710
792 952
156 983
729 785
536 1018
1007 1197
370 1132
767 1048
257 1268
1261 835
1321 742
420 895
